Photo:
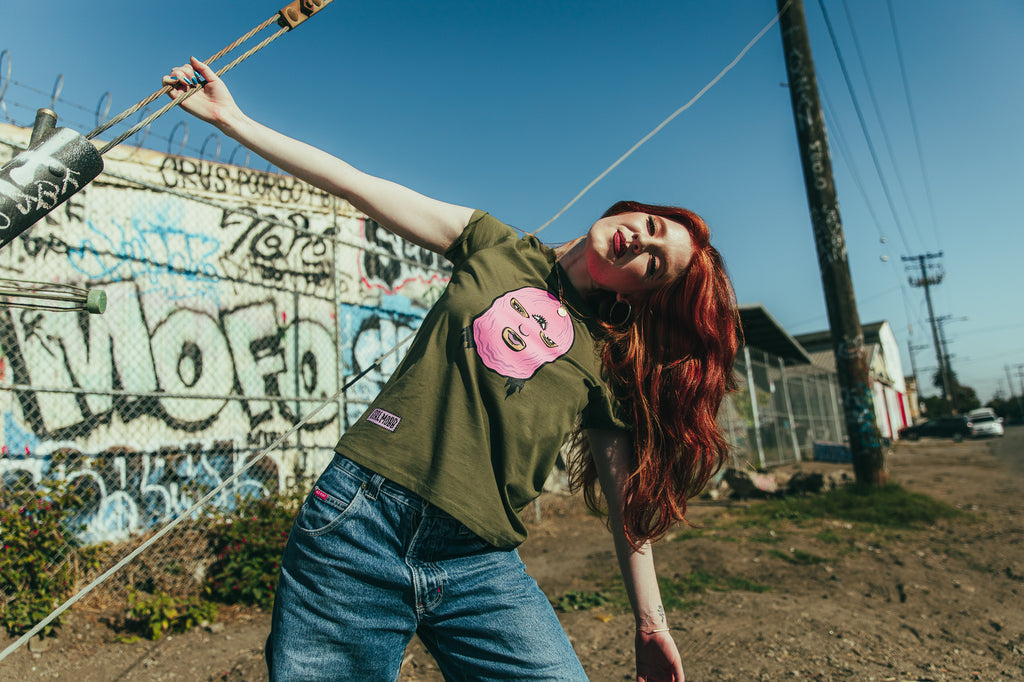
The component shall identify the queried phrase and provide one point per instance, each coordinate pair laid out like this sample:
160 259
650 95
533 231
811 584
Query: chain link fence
238 302
780 411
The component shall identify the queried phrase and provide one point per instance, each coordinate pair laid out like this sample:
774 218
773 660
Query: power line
913 124
864 128
858 181
664 123
198 505
878 115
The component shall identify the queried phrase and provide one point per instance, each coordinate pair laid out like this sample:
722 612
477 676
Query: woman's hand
427 222
657 658
212 103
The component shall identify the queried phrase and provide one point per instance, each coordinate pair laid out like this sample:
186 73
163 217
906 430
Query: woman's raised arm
657 658
427 222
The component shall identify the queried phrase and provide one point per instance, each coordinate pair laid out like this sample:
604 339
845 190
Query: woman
413 527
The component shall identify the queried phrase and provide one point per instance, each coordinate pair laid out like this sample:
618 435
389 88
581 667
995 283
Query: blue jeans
369 563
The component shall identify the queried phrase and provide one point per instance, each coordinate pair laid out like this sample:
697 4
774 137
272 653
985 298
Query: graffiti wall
239 301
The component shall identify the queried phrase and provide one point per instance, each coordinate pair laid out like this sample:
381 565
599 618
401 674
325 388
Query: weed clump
890 506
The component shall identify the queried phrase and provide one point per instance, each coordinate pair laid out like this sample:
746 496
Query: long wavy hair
670 366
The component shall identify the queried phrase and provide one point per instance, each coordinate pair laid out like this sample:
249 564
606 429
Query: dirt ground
941 604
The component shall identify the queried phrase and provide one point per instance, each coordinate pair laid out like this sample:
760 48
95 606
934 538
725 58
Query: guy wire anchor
17 293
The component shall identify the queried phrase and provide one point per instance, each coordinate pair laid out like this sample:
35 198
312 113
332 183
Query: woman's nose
636 244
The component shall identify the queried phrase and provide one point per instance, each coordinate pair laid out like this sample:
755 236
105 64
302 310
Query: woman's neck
572 256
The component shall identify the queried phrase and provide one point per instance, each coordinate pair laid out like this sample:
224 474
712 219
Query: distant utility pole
1009 382
927 280
913 366
1020 396
844 323
947 356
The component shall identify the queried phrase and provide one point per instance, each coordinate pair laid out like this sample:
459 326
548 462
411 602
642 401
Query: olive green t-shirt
500 369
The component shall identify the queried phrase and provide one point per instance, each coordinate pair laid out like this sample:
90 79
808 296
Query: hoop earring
620 313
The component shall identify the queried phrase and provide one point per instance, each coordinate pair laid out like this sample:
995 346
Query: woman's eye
652 266
650 225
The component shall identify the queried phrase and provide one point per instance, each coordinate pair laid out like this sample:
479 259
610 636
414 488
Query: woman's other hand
657 658
213 103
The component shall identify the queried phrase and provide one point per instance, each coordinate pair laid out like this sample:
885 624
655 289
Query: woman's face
633 253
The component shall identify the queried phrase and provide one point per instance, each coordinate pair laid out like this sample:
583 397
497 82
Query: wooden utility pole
927 281
844 323
913 369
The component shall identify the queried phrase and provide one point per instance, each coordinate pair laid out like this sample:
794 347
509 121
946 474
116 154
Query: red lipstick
619 244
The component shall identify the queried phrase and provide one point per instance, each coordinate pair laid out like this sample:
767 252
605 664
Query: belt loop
372 487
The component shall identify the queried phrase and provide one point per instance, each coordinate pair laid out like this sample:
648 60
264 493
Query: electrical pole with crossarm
926 281
913 368
844 322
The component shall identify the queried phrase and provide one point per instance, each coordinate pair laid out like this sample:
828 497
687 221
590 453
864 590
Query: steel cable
173 103
198 505
170 525
164 90
668 120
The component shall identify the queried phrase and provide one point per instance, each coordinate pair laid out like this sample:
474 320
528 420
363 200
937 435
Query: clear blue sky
514 106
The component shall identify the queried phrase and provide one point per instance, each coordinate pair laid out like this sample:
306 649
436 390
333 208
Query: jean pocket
332 500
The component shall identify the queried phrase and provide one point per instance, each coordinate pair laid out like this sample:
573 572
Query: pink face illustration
521 331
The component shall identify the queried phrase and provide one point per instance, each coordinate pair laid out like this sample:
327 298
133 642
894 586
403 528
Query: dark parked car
943 427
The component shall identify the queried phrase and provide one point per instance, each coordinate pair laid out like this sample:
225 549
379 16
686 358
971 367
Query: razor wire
363 246
280 17
376 364
163 91
55 97
173 103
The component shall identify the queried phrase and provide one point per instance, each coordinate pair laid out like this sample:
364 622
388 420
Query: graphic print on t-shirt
521 331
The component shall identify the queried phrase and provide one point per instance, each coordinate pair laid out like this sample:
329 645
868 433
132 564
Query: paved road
1010 448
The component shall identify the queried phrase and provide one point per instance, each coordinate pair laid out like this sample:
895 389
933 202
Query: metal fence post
825 411
338 349
789 410
752 387
812 425
834 403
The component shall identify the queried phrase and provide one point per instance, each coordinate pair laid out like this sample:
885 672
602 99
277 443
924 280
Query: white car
981 423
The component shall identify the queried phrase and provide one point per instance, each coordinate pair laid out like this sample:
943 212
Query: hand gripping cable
60 162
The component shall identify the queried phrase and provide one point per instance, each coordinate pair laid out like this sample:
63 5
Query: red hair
670 367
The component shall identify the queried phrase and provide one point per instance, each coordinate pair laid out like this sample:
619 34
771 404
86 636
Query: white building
889 389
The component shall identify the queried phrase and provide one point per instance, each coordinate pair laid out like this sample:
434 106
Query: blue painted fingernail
173 78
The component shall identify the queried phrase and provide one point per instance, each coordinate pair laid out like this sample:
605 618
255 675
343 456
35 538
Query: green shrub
679 591
581 601
889 506
248 544
41 560
153 615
